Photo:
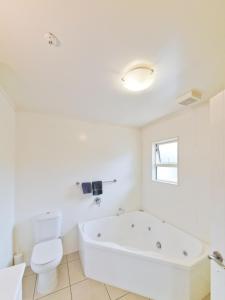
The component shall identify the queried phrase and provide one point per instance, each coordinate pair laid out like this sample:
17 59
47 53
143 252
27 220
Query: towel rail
106 181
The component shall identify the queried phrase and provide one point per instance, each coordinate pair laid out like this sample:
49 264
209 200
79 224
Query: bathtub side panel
82 246
147 278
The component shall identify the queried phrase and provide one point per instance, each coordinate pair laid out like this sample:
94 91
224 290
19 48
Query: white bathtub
124 251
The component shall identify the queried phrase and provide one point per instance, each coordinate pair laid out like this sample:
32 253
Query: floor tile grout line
126 293
79 281
121 297
66 287
107 291
67 263
71 295
75 259
56 291
35 286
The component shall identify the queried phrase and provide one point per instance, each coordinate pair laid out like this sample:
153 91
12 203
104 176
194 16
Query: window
165 161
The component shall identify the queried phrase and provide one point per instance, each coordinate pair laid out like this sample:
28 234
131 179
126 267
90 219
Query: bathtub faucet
98 201
120 211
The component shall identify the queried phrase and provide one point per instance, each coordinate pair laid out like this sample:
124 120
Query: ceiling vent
189 98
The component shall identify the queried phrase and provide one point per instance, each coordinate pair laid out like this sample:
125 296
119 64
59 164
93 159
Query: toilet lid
46 252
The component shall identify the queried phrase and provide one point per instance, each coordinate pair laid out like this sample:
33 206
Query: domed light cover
138 78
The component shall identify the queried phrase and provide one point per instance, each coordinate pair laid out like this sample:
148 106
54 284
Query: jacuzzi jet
158 245
149 228
132 225
185 253
99 235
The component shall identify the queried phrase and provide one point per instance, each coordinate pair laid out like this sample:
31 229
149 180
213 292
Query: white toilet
47 252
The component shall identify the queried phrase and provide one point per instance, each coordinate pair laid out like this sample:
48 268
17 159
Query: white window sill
166 182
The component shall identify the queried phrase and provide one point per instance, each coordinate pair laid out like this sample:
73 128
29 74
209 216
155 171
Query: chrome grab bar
218 258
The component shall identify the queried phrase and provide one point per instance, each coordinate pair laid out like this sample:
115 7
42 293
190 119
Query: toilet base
47 281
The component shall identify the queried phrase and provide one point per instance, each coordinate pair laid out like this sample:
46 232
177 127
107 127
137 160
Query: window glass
167 153
165 161
167 174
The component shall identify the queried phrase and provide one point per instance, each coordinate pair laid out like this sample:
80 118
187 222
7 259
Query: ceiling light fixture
138 78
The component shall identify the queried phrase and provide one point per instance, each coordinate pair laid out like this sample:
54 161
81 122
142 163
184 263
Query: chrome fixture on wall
98 201
106 181
217 258
120 211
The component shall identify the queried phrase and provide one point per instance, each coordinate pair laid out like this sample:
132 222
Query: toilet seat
47 252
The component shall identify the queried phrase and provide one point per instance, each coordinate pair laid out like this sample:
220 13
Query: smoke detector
52 39
190 98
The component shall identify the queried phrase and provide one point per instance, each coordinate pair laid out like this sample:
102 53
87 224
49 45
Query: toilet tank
47 226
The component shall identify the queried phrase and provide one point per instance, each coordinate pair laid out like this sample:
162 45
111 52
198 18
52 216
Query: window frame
172 165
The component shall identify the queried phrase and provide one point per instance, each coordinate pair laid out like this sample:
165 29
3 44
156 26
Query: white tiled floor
115 293
75 271
73 285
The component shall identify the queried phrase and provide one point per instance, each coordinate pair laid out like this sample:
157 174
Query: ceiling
183 40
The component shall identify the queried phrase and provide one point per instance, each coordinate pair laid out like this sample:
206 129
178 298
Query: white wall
187 205
53 153
7 122
217 120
